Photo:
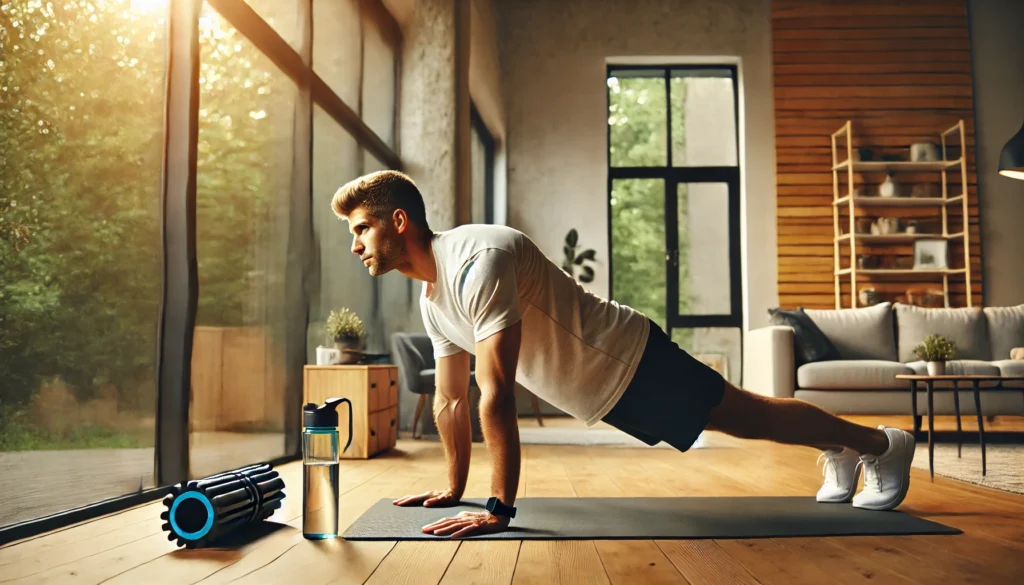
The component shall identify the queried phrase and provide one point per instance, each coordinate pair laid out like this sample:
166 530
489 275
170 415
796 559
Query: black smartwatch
494 506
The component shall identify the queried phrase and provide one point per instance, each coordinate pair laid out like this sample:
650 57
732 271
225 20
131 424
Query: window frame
672 176
477 125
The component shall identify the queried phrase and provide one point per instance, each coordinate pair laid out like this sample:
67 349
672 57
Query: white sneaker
841 471
887 476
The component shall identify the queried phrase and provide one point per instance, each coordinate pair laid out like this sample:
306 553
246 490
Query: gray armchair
414 355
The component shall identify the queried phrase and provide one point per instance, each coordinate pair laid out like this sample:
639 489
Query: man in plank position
489 291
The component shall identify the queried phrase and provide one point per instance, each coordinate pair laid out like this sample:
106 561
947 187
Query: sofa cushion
1005 329
958 368
852 374
859 334
1011 368
964 326
810 343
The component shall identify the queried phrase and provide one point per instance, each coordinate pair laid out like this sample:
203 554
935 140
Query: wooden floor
129 547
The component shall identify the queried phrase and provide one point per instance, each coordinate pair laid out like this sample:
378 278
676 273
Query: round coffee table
975 381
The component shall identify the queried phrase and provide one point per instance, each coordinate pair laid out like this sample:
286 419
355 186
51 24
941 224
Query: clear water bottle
320 467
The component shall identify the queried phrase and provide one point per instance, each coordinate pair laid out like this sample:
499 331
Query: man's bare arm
451 415
496 361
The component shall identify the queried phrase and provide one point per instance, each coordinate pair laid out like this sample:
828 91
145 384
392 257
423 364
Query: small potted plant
936 350
345 329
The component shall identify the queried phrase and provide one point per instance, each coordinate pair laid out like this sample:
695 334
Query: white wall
554 55
998 63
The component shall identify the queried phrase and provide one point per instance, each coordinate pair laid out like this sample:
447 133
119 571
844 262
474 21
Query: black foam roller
200 511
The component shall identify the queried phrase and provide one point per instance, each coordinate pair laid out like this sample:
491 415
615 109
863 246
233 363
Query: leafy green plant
344 325
936 348
573 259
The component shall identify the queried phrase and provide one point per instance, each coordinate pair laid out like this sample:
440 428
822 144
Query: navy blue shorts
670 397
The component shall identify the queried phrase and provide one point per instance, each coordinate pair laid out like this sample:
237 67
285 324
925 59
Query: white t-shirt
578 352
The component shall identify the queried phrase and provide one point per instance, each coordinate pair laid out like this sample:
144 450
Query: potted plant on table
345 329
936 350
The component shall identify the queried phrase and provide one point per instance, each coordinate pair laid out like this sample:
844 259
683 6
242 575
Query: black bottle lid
324 415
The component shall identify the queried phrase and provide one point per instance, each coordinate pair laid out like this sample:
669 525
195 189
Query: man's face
377 243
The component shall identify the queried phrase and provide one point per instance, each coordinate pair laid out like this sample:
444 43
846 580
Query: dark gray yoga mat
651 518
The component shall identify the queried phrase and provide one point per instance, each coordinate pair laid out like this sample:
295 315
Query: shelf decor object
931 260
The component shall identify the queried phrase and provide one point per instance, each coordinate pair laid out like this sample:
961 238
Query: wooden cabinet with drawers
373 390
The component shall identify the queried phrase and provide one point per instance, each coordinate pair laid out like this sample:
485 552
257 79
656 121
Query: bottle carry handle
349 402
335 402
332 404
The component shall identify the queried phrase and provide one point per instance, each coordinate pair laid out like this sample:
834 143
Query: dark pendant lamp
1011 159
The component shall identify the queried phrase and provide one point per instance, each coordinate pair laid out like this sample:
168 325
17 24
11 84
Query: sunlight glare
148 6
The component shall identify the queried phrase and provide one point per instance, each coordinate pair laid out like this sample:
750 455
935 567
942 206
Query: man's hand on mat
468 524
433 498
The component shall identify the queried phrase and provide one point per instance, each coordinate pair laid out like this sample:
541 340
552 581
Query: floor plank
84 548
100 527
566 562
637 562
321 562
483 562
771 563
844 567
886 553
414 562
704 562
104 565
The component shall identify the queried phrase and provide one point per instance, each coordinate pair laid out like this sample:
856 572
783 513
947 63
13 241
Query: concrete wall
449 54
998 63
553 58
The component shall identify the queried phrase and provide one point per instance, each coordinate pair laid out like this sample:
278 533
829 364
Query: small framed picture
930 254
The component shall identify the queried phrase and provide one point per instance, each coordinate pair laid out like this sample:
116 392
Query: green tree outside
81 137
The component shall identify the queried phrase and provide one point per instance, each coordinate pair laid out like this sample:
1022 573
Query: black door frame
673 176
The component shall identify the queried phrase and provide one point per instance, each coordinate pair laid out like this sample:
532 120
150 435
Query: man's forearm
453 424
501 431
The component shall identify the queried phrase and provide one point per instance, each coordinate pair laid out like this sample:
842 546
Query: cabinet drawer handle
392 382
373 433
373 384
392 422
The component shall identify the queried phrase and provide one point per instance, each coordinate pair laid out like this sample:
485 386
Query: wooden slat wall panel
902 73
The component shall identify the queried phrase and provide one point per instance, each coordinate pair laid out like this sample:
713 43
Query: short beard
387 257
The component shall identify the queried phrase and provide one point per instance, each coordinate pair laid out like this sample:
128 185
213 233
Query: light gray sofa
875 344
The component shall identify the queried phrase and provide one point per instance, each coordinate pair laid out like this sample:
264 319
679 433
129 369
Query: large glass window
95 181
482 170
344 281
674 204
81 136
337 47
243 188
637 119
378 110
282 15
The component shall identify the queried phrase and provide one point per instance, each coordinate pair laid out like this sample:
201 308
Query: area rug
1005 464
588 437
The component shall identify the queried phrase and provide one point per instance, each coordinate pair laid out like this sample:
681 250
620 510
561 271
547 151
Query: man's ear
401 220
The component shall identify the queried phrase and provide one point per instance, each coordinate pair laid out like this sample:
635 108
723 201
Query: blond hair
381 193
